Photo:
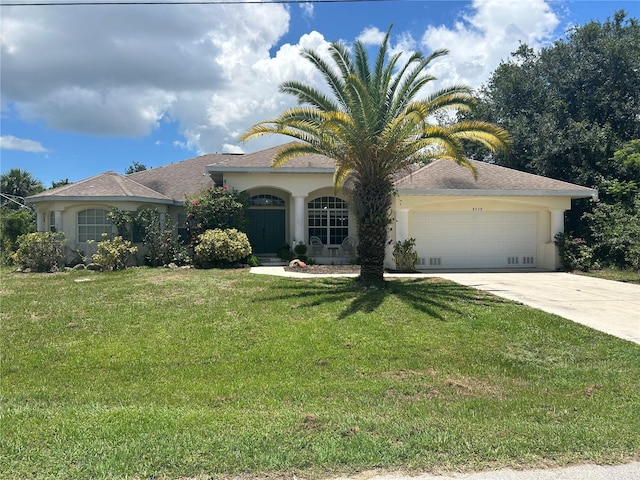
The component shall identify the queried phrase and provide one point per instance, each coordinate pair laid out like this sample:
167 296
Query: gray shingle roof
102 186
446 177
179 179
171 183
262 159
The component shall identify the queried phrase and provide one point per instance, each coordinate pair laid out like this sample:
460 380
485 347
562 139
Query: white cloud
118 71
226 148
490 31
9 142
307 9
210 69
371 36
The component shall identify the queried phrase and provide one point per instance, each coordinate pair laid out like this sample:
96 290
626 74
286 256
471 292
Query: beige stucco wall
67 215
307 186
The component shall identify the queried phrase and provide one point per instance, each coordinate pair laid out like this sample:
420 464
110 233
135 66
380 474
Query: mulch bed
325 269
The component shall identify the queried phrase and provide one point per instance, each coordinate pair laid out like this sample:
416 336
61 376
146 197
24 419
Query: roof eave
500 193
212 169
105 199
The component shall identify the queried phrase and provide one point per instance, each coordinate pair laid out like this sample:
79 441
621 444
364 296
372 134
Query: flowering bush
574 253
221 248
40 251
113 254
217 207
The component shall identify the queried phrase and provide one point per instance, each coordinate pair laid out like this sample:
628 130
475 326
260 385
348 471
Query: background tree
16 219
374 126
60 183
18 183
135 167
570 106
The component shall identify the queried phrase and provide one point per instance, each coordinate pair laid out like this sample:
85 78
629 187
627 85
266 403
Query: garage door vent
528 260
513 261
435 261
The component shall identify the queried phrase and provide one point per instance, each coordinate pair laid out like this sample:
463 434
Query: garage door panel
475 239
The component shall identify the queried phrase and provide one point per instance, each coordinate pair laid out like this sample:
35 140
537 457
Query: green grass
169 373
616 274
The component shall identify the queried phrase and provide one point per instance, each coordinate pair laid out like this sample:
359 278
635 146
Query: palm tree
17 184
374 127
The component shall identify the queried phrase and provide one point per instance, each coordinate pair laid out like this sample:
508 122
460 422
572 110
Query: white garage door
475 239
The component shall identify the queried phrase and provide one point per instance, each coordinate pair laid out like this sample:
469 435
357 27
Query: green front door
266 230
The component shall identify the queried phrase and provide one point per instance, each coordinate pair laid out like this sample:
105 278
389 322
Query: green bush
40 251
221 248
13 224
405 256
163 245
253 261
574 253
216 208
615 232
113 254
285 254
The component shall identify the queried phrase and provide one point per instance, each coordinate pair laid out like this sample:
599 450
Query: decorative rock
94 266
297 263
80 266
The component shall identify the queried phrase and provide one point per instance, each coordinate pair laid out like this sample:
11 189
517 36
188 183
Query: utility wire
77 3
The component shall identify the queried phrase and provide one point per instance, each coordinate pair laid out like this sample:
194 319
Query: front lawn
157 373
616 274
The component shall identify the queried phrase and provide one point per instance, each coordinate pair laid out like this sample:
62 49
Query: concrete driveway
605 305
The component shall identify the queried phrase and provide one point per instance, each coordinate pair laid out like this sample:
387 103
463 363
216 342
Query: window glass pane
328 219
266 200
92 223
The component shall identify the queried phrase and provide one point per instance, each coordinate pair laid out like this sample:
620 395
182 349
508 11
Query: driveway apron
605 305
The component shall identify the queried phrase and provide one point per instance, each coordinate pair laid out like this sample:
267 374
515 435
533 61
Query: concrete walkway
628 471
604 305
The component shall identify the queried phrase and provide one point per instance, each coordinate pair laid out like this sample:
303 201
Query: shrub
221 248
405 256
163 245
40 251
253 261
615 230
285 254
574 253
113 254
300 249
217 207
13 224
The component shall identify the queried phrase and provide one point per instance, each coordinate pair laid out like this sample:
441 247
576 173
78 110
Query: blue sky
87 89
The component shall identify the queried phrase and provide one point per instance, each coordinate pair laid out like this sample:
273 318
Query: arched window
328 220
266 200
92 223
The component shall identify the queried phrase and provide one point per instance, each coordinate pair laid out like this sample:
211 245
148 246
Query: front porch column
552 257
40 221
402 225
557 223
57 214
298 219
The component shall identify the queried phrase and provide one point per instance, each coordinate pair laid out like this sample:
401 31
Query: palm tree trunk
372 201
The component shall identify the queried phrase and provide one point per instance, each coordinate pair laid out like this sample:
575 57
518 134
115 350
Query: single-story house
504 219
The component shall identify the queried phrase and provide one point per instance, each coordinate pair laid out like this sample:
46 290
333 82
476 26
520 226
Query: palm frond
308 95
491 136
